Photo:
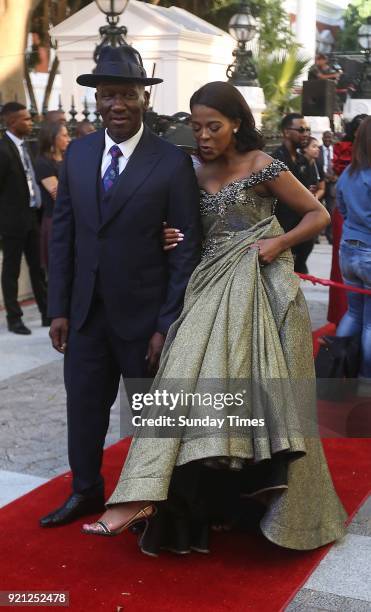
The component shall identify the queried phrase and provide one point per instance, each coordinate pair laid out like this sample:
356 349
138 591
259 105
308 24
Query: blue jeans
355 264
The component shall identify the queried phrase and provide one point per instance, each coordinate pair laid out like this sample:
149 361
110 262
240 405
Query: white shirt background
326 160
126 147
35 196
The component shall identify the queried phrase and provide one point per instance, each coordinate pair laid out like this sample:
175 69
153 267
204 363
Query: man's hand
58 333
154 350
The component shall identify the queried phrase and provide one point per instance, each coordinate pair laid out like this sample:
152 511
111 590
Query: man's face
20 123
327 139
298 133
122 107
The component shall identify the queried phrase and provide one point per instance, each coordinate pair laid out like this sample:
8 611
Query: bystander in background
83 128
296 133
53 142
56 116
20 200
326 158
338 303
322 70
354 202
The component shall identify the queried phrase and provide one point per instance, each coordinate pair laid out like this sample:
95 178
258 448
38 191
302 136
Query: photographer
322 70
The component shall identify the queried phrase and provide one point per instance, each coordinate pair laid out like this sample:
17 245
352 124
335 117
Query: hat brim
92 80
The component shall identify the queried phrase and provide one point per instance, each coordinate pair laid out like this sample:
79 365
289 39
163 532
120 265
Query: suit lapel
90 172
140 165
15 153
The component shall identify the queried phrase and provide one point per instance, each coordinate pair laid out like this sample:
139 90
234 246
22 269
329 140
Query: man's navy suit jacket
141 285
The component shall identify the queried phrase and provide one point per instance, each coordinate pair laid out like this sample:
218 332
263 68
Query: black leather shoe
18 327
45 321
77 505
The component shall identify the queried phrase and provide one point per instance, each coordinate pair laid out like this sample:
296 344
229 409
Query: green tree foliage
274 26
355 16
275 32
278 75
279 64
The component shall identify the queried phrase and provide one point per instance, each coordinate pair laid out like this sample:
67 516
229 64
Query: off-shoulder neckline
243 179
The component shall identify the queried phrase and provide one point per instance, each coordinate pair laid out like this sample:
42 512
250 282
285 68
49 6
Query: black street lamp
243 27
364 39
111 34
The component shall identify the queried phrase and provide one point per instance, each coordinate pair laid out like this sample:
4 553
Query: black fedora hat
119 65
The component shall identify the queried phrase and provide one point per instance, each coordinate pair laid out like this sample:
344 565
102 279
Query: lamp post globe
112 7
111 34
243 28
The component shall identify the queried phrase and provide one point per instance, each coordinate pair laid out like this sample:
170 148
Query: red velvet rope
329 283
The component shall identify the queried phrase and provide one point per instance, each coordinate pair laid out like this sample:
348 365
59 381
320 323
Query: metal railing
175 128
71 121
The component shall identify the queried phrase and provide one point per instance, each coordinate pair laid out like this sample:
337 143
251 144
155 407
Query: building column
305 26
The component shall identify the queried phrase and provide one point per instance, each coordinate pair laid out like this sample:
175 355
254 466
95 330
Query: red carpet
243 572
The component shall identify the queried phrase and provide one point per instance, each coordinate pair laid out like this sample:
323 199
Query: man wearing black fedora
113 292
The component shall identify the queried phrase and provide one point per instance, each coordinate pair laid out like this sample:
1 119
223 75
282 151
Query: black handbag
337 366
339 357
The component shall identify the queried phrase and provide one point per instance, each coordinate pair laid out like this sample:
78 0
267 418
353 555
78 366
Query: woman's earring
235 130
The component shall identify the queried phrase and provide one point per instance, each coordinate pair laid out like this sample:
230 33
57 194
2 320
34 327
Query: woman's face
62 139
312 150
213 131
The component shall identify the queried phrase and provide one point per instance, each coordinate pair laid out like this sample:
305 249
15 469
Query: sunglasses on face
301 130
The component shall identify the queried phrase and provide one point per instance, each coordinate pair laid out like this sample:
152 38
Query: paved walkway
33 443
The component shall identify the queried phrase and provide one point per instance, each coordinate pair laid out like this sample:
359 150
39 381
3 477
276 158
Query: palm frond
278 74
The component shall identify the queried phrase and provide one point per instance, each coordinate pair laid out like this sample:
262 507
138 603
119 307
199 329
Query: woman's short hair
47 137
227 100
361 151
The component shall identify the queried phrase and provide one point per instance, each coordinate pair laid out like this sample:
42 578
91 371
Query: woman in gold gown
244 320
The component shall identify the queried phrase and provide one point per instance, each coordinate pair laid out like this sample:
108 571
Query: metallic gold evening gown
244 322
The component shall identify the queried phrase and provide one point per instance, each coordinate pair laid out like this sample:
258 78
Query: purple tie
112 172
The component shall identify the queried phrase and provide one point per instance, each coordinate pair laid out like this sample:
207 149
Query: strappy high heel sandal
142 515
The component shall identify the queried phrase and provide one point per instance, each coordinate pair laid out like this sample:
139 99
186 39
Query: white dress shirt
328 155
127 147
35 196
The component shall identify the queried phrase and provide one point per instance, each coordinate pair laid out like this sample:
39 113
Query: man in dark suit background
296 133
19 227
113 292
326 158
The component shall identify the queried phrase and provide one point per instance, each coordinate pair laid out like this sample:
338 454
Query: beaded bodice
236 207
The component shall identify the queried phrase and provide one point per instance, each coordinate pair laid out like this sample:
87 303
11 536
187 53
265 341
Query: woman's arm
289 190
321 190
51 185
315 217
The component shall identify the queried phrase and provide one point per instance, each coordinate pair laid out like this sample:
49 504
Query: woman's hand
54 192
51 185
171 237
269 249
